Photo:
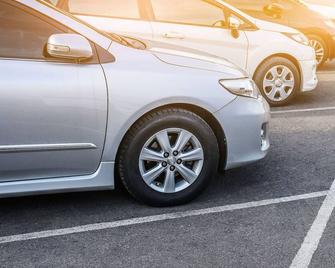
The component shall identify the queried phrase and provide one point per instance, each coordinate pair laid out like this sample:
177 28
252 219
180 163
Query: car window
109 8
22 35
249 5
286 4
188 11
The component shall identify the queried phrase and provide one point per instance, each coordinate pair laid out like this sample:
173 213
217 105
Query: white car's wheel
168 157
279 81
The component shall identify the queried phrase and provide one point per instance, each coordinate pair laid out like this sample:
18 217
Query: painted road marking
156 218
313 237
332 108
326 76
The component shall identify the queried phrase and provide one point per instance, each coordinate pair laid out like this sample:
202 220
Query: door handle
173 35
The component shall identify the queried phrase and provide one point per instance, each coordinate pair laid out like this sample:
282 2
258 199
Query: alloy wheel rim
319 50
278 83
171 160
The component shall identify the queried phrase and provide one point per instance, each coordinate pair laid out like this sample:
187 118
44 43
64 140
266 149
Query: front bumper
245 123
309 79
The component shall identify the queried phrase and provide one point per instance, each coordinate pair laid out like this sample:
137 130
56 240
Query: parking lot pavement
254 238
301 161
328 67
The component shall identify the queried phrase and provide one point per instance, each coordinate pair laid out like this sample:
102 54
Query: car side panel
138 83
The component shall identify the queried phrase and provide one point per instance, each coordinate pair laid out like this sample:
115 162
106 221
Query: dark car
296 14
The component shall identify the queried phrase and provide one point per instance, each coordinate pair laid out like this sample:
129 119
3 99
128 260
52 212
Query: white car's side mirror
234 25
69 46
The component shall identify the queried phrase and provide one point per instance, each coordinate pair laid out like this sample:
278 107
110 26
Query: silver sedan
80 107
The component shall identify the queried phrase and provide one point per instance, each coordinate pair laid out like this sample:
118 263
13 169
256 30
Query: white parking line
326 76
155 218
332 108
313 237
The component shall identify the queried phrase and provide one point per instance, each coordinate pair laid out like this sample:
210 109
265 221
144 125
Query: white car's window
188 11
109 8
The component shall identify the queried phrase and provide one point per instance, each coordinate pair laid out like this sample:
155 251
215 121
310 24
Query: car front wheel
278 80
320 48
168 157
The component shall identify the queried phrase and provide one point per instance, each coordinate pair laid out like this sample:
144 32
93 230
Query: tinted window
22 35
286 4
249 4
187 11
112 8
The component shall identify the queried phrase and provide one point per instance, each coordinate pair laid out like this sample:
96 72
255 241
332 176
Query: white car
277 57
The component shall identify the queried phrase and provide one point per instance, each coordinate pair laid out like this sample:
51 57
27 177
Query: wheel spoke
272 93
285 72
182 140
283 93
150 155
189 175
289 83
169 182
268 83
194 155
319 51
274 73
163 140
152 174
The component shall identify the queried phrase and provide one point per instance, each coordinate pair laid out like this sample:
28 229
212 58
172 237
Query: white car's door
53 112
125 17
201 25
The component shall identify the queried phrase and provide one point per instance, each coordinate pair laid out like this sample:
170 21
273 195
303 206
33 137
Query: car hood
185 57
273 27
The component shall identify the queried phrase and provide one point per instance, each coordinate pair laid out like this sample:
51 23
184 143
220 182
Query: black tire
140 133
317 38
263 70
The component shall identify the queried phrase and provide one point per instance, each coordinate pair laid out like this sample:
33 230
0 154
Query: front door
52 113
200 25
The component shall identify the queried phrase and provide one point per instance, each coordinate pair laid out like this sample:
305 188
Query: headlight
298 37
241 87
330 23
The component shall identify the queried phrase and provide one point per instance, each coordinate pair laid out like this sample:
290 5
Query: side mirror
234 25
273 10
69 46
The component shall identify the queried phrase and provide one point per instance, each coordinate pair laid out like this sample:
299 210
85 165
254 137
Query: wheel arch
208 117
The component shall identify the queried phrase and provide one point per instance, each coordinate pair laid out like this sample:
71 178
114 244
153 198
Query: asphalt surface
301 161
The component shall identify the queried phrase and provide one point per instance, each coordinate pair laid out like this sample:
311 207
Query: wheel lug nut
179 161
175 153
166 155
172 168
164 164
